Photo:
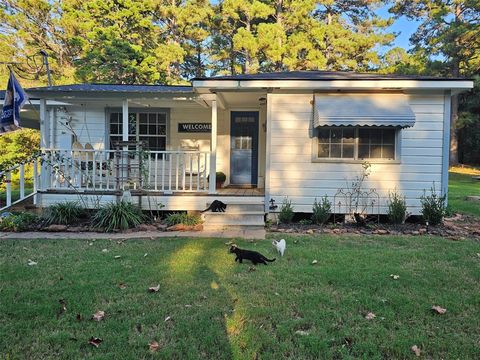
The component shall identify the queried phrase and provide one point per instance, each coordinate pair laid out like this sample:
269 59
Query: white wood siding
88 123
293 174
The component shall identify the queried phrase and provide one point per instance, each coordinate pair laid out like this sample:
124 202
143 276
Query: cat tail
269 259
208 208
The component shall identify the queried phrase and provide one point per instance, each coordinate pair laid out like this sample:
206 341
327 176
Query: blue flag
14 100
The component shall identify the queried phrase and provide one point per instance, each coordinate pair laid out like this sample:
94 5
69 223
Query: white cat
280 245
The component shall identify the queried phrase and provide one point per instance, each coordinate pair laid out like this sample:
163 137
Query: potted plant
220 179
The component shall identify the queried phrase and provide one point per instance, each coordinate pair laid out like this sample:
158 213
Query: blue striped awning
367 109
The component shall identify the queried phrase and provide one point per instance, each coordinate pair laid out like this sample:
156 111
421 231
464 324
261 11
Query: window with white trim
356 143
149 127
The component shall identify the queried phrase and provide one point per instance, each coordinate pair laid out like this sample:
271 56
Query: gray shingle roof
322 75
115 88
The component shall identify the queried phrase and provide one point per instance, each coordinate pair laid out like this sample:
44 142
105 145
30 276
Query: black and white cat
216 206
253 256
280 246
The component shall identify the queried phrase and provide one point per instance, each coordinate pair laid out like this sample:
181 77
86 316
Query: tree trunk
453 132
454 113
279 16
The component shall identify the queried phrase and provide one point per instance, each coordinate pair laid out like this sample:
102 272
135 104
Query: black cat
253 256
216 206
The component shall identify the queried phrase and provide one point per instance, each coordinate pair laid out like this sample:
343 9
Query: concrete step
235 218
235 207
234 228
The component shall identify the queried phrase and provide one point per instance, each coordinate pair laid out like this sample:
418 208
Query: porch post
123 170
45 175
213 150
125 120
44 138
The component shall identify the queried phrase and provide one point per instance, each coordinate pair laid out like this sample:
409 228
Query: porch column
44 136
213 150
125 120
46 171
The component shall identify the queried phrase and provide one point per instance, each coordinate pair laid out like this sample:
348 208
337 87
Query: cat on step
216 206
280 246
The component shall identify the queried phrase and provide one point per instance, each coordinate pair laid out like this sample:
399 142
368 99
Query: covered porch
157 142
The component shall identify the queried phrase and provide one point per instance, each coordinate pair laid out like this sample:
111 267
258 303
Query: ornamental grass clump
65 213
117 216
183 218
433 207
286 212
321 210
397 208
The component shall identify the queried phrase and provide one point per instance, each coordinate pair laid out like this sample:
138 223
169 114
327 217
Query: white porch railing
19 183
109 170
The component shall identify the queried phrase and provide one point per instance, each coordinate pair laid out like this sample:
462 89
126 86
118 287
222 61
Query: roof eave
53 94
334 84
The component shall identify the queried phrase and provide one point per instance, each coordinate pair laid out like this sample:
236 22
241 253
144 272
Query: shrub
321 210
305 222
19 222
183 218
397 208
65 213
286 212
117 216
433 207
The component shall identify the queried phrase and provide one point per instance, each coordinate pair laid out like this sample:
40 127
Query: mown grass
237 313
460 186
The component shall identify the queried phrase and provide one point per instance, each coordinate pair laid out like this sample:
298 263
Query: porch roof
114 88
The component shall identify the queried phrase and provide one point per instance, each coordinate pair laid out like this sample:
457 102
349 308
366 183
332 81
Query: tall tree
279 35
28 26
237 31
184 27
119 41
449 29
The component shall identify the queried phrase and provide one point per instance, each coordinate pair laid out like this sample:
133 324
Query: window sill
353 161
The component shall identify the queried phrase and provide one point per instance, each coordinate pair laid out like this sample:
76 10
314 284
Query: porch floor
233 191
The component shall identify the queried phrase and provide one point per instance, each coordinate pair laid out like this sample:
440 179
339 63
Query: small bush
19 222
286 212
397 208
117 216
433 207
183 218
321 211
65 213
305 222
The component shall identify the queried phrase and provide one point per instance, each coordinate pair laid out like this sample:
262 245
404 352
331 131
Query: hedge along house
300 135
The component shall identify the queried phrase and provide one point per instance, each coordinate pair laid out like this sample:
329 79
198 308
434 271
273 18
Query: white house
301 135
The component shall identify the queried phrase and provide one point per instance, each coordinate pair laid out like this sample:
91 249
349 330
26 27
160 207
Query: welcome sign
194 127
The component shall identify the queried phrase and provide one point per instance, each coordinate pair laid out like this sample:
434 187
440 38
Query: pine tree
28 26
449 29
184 27
118 39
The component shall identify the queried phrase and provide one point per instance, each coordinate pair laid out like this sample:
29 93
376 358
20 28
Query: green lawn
238 313
459 187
